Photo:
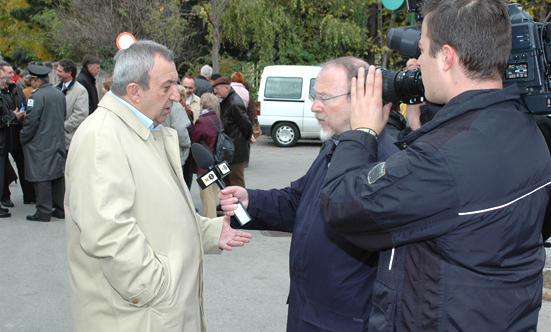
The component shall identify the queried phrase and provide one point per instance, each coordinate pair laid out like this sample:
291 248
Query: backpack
223 148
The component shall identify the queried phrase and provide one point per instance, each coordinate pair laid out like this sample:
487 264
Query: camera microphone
215 173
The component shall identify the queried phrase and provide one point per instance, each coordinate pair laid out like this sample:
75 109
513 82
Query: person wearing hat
43 140
237 126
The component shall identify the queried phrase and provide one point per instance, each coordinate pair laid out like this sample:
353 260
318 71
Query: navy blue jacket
457 214
331 279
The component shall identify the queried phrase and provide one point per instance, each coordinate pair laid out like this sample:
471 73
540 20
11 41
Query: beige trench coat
77 110
135 244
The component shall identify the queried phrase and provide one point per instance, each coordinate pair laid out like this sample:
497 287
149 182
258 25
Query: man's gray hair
206 70
350 65
132 65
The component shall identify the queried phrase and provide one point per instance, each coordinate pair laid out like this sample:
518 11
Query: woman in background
237 84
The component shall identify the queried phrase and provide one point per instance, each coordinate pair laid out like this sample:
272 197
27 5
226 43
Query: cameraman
457 214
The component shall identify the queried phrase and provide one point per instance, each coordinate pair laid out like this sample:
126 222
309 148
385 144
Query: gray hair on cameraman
132 65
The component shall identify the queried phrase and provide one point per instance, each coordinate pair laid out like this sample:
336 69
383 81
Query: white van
283 104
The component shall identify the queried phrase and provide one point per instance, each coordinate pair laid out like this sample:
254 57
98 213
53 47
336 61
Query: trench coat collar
126 115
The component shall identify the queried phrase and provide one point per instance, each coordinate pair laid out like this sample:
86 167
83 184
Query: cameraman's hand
367 109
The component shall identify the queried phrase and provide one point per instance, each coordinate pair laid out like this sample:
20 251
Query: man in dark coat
13 99
457 214
237 126
87 77
7 117
202 83
331 279
43 139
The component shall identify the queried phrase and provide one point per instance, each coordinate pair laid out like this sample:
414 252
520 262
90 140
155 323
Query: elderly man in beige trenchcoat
134 242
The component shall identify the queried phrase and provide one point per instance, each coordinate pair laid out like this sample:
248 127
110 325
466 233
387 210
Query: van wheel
285 134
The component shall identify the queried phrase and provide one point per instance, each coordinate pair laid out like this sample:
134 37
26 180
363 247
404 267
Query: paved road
246 289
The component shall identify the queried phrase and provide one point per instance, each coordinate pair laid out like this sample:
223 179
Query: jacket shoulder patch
376 172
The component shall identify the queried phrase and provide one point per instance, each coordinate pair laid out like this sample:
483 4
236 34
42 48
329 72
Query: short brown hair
237 77
478 30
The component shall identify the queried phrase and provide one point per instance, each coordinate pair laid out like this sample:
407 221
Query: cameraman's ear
448 57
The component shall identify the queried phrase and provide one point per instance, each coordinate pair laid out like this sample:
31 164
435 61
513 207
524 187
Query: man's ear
134 92
448 57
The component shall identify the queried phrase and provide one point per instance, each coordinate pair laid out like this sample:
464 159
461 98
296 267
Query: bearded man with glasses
331 279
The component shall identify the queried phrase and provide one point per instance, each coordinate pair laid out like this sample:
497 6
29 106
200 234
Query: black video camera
529 63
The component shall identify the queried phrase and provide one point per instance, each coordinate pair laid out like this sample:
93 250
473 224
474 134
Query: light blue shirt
144 119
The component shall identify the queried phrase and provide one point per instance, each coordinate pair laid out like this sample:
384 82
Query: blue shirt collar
144 119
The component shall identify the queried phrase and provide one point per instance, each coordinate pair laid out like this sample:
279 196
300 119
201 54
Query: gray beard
325 135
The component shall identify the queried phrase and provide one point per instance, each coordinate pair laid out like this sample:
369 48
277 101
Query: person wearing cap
213 78
87 77
14 97
43 140
237 126
75 95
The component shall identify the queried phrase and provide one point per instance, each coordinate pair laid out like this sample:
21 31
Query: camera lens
402 86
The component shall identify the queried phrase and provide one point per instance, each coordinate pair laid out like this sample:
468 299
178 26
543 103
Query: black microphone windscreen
202 156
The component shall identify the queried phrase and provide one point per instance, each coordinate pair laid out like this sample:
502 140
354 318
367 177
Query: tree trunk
372 26
215 50
215 38
387 54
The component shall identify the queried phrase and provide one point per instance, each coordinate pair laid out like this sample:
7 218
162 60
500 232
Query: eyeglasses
323 100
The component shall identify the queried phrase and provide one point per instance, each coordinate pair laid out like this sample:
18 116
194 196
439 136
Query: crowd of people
46 188
433 228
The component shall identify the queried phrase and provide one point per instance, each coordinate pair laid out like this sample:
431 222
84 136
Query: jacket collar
125 114
60 86
467 101
12 88
87 73
229 96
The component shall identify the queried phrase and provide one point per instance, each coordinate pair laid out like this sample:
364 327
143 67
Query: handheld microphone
215 173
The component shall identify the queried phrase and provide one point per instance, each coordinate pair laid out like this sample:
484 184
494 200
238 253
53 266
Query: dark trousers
49 195
26 186
3 160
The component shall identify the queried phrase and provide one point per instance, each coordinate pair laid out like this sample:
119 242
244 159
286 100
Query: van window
312 83
283 87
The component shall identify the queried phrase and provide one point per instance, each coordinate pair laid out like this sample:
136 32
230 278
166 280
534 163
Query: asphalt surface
246 289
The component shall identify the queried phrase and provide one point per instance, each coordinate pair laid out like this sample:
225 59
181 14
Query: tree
213 14
92 26
24 36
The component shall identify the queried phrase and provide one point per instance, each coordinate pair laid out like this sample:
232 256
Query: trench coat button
404 145
135 301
